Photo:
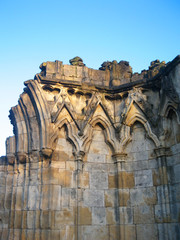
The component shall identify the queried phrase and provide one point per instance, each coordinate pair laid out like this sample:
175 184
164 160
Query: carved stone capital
119 157
21 156
11 158
79 160
162 151
46 152
79 155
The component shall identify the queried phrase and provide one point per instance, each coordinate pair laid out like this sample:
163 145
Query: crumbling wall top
111 75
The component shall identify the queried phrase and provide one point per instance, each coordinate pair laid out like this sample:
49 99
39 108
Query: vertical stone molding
119 159
79 168
79 161
164 195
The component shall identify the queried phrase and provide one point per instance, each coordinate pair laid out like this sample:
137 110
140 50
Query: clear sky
35 31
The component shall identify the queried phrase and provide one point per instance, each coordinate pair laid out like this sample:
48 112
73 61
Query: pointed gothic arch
139 117
108 132
70 131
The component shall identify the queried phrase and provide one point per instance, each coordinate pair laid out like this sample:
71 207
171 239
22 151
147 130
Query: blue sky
36 31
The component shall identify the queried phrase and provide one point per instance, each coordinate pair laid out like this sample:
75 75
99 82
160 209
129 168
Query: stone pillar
162 210
119 159
45 193
15 199
79 168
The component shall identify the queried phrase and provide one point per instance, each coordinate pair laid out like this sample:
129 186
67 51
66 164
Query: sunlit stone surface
95 154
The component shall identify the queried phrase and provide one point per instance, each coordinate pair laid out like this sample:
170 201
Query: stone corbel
46 152
11 158
162 151
21 156
79 160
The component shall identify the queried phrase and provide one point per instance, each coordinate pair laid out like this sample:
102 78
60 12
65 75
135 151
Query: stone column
162 210
79 168
15 198
119 159
6 198
45 193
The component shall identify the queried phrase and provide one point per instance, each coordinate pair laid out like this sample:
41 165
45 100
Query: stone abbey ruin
95 154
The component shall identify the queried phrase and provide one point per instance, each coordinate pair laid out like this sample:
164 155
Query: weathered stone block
71 165
122 232
124 197
141 156
45 197
162 213
17 220
34 197
64 217
94 232
55 197
46 173
69 197
16 234
8 198
111 197
24 219
30 219
2 178
61 177
66 192
176 176
45 219
125 215
4 233
58 164
34 177
4 219
125 180
143 196
143 178
114 197
37 235
168 231
112 215
96 158
156 177
54 234
93 198
175 193
99 167
175 149
19 197
144 214
84 180
98 216
147 231
98 180
112 181
84 216
163 194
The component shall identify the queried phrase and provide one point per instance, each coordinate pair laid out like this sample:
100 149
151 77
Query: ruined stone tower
95 154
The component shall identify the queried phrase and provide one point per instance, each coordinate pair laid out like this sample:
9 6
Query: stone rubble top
110 74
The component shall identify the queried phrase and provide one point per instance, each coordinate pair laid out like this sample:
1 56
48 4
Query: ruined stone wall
95 154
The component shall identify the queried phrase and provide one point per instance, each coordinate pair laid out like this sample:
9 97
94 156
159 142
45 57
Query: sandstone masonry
95 154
